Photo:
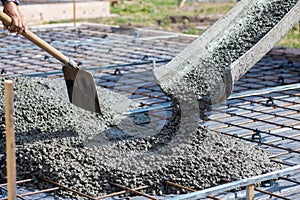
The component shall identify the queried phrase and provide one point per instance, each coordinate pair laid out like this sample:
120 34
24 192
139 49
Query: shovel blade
81 89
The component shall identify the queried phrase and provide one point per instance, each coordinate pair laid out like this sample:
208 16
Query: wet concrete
59 141
201 74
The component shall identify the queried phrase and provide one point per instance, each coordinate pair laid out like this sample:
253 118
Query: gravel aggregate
67 144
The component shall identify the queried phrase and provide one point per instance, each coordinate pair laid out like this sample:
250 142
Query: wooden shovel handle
38 41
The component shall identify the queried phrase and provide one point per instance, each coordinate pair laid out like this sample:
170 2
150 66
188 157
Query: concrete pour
77 148
201 74
67 144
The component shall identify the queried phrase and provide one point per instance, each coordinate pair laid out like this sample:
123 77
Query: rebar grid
269 121
281 114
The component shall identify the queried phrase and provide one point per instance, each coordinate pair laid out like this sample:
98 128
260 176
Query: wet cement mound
67 144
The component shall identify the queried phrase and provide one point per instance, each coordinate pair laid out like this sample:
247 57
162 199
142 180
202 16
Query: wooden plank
74 12
250 192
10 140
182 3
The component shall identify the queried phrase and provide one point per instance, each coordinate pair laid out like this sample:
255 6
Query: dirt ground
204 15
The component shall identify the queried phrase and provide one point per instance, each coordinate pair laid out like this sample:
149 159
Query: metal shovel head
81 89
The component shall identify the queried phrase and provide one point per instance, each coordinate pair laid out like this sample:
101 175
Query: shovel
80 84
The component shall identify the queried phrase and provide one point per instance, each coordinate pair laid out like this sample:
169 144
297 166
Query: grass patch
156 12
214 8
292 39
142 13
193 31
